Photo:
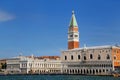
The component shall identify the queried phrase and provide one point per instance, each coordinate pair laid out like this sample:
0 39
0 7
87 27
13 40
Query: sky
40 27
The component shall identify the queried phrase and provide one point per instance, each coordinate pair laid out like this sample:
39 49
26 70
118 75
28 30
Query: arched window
71 57
90 71
108 56
65 57
96 71
87 71
84 57
103 70
91 56
93 71
78 56
99 57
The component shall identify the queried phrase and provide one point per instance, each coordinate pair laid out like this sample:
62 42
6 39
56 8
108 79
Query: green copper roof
73 22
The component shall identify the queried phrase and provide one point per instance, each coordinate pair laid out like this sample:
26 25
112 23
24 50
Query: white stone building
47 66
99 60
18 65
33 65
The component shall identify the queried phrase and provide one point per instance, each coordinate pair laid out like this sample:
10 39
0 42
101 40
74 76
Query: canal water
56 77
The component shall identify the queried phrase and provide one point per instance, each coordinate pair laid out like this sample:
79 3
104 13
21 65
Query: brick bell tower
73 33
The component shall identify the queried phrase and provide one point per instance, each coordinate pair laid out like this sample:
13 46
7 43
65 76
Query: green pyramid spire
73 22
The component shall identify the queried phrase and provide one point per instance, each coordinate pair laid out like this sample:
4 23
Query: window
96 71
108 56
106 70
71 57
100 71
71 35
65 57
99 57
78 56
76 35
91 56
103 70
84 57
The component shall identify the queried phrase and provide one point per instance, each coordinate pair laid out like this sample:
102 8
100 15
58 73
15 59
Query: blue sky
40 27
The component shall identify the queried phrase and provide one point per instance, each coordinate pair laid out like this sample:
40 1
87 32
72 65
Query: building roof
95 47
73 22
48 57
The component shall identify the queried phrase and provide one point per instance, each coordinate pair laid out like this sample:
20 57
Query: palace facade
99 60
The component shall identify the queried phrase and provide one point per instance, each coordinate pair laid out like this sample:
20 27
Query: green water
56 77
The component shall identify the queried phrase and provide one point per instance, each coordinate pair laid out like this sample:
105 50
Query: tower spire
73 22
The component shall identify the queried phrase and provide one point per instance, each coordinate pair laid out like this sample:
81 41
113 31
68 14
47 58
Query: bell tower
73 33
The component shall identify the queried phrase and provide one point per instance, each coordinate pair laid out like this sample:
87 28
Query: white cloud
5 16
